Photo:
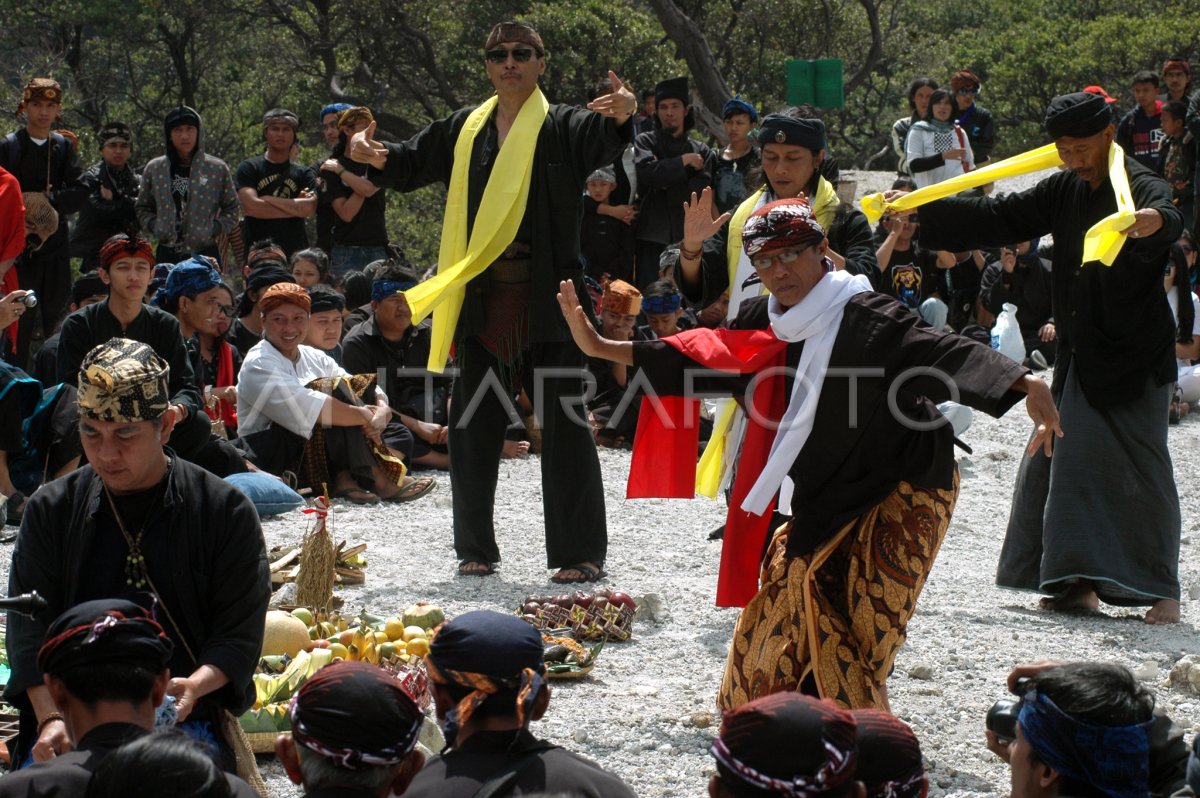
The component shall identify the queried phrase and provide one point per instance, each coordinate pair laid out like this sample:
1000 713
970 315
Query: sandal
413 489
591 573
357 496
486 569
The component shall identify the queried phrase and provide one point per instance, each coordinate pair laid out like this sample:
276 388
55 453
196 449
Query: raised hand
365 149
698 222
620 103
582 330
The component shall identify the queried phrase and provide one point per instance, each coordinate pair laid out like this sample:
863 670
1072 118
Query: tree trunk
710 84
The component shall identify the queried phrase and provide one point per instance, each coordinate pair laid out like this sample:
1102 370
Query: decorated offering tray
606 615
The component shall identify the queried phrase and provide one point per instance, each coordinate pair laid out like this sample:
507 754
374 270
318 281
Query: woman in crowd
310 267
937 148
1185 309
919 92
302 412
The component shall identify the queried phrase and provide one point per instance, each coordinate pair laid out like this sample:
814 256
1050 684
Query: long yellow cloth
1102 242
500 211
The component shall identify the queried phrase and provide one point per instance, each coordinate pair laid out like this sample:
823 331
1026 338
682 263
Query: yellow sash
496 223
1102 242
709 470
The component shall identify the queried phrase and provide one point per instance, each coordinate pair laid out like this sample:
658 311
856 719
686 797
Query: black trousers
49 276
572 491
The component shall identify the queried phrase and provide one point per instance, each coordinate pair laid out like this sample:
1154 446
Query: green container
815 82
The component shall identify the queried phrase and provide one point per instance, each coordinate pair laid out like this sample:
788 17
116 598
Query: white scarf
815 320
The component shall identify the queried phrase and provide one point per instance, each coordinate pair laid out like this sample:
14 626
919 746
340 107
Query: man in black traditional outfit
137 524
1099 520
870 455
515 167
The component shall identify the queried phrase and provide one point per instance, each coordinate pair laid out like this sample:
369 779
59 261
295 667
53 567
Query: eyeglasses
228 310
764 263
500 55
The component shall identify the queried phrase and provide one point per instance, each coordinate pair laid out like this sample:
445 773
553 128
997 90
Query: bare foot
1080 596
1163 611
514 449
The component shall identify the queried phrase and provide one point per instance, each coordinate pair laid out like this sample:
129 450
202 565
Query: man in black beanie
112 188
671 166
1081 533
104 663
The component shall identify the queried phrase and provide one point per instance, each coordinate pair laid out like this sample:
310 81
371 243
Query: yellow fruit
411 632
283 634
418 646
339 651
304 614
346 637
394 628
387 651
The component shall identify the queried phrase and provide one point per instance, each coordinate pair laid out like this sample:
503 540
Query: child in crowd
606 234
310 267
662 305
1177 160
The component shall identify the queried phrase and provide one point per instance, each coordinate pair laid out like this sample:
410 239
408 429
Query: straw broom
314 582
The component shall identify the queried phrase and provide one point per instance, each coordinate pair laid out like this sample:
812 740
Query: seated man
388 343
126 265
104 663
613 411
354 731
120 527
1022 277
325 321
300 411
489 683
786 744
1084 729
871 458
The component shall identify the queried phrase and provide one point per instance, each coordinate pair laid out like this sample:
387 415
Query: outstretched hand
1041 408
620 103
365 149
582 330
698 222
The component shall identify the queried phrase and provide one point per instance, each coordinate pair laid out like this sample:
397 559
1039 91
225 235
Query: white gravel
647 712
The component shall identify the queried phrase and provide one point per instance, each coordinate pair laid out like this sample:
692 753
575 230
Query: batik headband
662 304
284 294
836 771
779 225
621 297
122 246
482 686
382 289
273 253
351 116
123 380
104 631
40 89
1113 759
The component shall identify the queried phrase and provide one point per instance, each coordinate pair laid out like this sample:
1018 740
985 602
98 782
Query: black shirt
731 183
911 276
368 228
410 388
270 179
27 161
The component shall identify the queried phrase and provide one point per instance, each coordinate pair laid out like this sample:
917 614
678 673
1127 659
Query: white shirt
1173 301
271 388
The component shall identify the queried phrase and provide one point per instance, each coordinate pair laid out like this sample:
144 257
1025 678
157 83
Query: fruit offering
565 658
605 615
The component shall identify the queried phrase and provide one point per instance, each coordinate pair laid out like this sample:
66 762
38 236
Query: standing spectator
740 158
644 121
937 146
1177 160
187 199
112 188
1021 277
1140 131
919 92
277 194
606 232
325 215
1185 311
45 164
670 168
359 229
1177 77
975 120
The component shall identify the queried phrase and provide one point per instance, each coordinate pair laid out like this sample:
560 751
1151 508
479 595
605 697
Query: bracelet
46 721
689 254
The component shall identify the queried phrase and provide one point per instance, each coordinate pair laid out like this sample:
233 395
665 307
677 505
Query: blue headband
739 106
1113 759
382 289
189 278
661 304
335 108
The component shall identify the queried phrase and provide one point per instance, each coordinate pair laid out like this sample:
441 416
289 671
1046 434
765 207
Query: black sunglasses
500 55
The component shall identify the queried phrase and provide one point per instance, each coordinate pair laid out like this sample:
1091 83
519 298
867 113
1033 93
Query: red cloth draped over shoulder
12 237
664 447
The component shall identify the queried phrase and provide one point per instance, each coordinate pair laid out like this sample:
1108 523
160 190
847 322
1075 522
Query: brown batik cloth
314 468
838 613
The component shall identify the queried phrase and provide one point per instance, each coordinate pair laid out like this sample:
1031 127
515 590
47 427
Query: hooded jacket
211 208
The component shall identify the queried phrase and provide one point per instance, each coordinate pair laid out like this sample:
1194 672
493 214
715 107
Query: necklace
137 575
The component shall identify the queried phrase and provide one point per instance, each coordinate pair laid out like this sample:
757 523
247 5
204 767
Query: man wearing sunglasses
520 244
975 120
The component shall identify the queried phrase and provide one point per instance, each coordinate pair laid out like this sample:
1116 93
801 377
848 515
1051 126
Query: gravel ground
647 713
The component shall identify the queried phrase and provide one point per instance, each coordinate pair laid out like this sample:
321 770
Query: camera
1002 717
29 300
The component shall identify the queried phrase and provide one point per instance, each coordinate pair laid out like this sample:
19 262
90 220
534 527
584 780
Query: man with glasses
828 370
974 119
516 168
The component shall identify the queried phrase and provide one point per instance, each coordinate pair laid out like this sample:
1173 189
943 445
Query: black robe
1113 322
664 183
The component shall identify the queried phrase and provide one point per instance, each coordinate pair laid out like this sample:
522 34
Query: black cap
673 89
1077 115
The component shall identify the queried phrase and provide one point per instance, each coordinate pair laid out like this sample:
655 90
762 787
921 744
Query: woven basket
264 742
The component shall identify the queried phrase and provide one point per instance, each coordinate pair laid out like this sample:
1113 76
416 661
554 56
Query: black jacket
664 183
101 218
217 555
20 156
410 388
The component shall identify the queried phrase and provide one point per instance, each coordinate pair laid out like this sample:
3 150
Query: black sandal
487 570
591 573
